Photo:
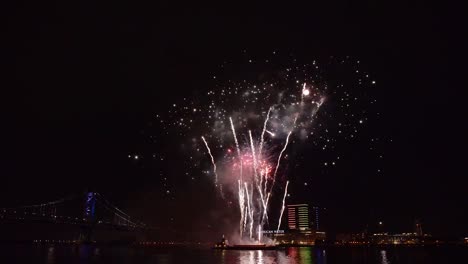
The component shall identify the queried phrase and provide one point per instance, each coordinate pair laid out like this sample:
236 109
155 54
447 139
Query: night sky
84 83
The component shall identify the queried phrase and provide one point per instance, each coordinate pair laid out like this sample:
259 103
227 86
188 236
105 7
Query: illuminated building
385 239
315 218
298 217
302 227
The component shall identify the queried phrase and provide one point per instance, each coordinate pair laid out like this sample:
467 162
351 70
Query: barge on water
224 245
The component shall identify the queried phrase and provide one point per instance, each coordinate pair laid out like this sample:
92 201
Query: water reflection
50 255
256 257
88 253
383 257
85 251
94 254
304 255
321 256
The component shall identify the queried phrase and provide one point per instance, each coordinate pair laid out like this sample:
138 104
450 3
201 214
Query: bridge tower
90 206
89 215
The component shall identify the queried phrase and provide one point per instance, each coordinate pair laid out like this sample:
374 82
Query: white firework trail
221 192
245 218
282 208
322 100
262 139
237 145
262 199
251 214
254 157
284 149
304 89
318 104
260 152
263 194
241 190
212 160
242 208
265 211
258 182
265 186
249 209
259 233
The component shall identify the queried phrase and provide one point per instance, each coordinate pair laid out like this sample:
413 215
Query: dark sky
83 79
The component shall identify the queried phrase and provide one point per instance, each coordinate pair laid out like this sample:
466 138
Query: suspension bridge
86 214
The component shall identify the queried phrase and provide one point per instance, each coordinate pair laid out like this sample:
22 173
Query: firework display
245 128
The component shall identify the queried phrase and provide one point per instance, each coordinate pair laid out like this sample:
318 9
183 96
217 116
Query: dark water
41 254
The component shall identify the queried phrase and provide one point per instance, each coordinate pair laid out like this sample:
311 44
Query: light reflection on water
384 259
92 254
303 255
51 255
87 254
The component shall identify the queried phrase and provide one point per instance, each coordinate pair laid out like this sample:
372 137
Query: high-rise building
303 224
298 217
418 228
315 218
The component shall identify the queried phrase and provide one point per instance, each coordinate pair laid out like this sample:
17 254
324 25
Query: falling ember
270 133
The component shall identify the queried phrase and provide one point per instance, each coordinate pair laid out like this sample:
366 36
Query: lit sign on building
273 232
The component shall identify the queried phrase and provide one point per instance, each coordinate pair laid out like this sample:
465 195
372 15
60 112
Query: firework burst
252 167
246 127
